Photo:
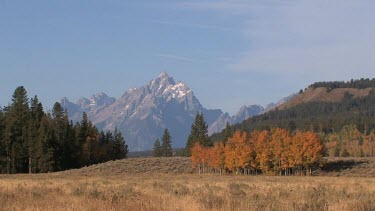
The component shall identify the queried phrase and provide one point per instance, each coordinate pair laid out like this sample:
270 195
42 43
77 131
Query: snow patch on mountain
142 113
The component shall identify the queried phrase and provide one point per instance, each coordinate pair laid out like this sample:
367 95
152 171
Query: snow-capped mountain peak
160 83
177 91
142 113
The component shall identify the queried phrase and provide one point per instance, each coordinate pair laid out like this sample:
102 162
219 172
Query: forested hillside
34 141
358 113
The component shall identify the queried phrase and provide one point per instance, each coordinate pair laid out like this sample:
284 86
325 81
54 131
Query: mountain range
141 114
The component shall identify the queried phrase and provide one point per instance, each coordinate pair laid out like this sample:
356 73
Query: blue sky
231 53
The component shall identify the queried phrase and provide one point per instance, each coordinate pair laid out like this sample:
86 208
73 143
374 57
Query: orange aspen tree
205 156
196 156
272 152
264 152
278 140
231 161
313 150
243 151
297 146
217 157
256 144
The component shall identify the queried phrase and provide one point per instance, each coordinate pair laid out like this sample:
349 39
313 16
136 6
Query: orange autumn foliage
271 152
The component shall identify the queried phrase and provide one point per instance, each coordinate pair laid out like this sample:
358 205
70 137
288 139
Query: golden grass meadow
155 190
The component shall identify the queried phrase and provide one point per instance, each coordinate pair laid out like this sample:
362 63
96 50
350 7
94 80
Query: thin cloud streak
233 6
192 25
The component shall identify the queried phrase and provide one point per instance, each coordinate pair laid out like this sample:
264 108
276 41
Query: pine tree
83 132
69 149
107 147
2 143
17 143
228 132
36 115
156 151
83 129
198 133
46 145
120 149
102 153
166 147
59 124
33 141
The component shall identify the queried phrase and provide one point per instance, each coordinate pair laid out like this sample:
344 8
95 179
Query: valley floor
184 192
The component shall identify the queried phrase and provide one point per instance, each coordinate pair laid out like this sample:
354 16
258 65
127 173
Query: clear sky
231 53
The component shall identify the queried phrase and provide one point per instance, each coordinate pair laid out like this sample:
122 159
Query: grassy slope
150 165
322 95
142 184
184 192
351 167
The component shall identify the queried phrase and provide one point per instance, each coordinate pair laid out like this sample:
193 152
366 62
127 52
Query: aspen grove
274 152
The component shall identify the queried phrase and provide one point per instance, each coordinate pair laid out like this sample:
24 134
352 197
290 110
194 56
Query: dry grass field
96 188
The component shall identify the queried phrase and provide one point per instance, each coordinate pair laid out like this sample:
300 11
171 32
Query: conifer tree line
353 83
270 152
349 142
163 149
33 141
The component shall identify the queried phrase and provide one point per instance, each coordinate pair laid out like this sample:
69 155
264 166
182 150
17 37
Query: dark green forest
34 141
320 117
362 83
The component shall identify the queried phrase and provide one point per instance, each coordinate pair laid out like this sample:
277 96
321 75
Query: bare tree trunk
30 165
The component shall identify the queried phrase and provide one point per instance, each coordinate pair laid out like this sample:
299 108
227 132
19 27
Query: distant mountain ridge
244 113
323 107
142 113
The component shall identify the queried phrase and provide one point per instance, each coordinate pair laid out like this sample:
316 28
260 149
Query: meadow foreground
184 192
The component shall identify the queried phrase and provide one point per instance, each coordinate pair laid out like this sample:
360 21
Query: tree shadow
340 165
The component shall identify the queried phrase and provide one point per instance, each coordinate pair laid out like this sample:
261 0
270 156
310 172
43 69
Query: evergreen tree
83 129
69 148
109 137
60 123
166 146
228 132
102 138
46 146
89 151
108 146
120 149
83 132
198 133
16 139
103 152
156 151
33 141
2 143
36 115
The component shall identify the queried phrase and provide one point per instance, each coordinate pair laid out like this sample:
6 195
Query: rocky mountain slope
244 113
141 114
